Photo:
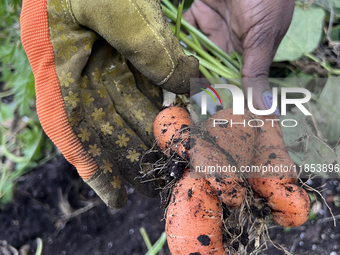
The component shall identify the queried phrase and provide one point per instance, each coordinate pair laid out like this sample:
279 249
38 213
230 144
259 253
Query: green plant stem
39 246
215 75
206 56
158 244
322 63
214 69
208 65
9 155
147 240
179 18
170 6
223 59
205 72
171 12
195 40
6 93
29 156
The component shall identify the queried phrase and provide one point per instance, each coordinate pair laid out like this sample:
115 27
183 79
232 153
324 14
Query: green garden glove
99 67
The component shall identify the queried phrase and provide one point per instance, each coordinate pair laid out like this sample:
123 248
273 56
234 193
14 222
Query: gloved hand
95 63
254 28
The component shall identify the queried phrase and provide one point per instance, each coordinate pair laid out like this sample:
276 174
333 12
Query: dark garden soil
48 199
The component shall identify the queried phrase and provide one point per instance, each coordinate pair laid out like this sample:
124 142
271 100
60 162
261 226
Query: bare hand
253 28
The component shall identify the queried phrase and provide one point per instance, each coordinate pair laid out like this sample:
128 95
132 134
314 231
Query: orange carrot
170 136
290 203
237 142
235 139
171 132
230 189
193 221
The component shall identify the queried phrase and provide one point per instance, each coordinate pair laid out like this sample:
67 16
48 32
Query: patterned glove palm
95 65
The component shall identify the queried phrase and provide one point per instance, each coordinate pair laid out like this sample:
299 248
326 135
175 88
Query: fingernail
267 98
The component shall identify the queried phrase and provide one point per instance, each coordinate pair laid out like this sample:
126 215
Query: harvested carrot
230 189
234 145
237 142
171 132
290 203
194 221
194 218
170 136
235 139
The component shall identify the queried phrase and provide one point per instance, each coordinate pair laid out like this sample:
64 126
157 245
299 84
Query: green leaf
336 3
335 34
328 110
27 98
31 140
303 35
297 138
337 11
6 111
6 192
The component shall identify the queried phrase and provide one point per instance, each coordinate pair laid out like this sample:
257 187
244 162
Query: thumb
140 32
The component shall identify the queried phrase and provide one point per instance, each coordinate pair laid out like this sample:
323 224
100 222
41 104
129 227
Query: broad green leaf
303 35
337 150
297 138
328 110
336 3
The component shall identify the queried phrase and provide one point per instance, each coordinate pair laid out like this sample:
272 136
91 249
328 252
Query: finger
260 44
152 92
261 97
119 114
256 61
202 16
139 30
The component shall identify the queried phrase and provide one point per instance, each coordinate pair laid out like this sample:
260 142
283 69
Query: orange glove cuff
50 104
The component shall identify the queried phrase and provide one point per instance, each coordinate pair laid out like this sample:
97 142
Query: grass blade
146 240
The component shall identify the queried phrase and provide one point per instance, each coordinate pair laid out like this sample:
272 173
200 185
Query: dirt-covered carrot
290 203
171 131
233 135
193 221
229 187
236 142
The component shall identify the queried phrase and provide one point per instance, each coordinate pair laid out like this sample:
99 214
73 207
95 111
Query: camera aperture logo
208 92
239 103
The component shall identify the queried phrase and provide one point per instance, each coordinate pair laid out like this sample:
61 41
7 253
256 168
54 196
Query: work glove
253 28
99 67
